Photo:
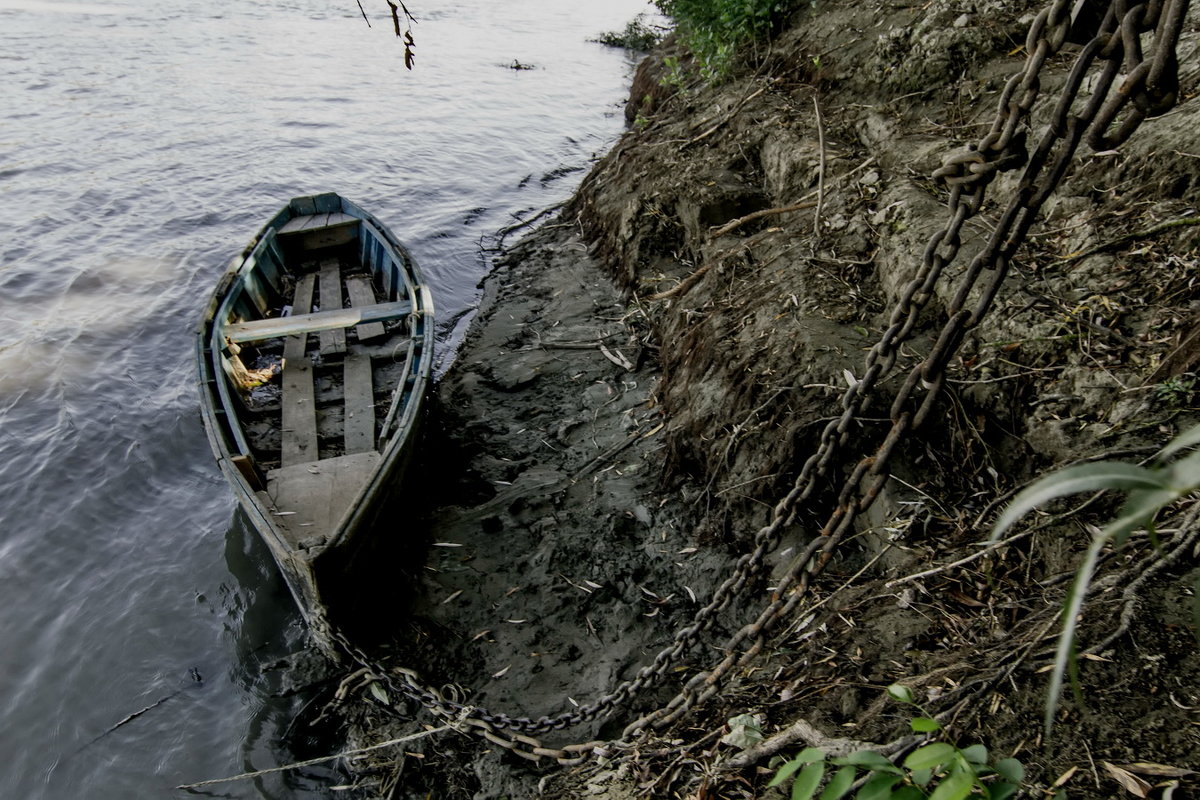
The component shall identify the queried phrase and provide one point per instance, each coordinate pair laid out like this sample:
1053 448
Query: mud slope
759 234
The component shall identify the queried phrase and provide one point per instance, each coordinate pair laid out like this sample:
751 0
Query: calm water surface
141 144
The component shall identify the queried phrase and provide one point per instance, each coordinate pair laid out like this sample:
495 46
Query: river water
141 145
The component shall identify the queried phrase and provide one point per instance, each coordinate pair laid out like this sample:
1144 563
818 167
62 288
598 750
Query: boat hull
314 354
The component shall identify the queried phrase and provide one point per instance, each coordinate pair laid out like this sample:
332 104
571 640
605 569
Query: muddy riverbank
651 369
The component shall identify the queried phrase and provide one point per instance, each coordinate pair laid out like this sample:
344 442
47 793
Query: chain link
1150 88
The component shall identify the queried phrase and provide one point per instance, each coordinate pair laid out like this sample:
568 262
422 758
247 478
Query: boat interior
319 348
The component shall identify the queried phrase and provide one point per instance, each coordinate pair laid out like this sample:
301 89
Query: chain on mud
1107 119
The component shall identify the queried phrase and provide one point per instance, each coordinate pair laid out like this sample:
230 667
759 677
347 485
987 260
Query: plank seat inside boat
311 222
275 327
312 497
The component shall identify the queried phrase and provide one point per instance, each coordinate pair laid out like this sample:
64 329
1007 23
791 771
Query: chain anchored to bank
1106 114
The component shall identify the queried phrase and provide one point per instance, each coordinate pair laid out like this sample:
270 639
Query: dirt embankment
611 450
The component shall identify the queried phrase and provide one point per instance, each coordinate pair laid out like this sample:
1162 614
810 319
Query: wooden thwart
299 424
311 222
257 330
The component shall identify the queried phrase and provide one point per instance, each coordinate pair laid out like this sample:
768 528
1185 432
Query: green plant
1175 392
935 771
638 35
715 29
1148 490
674 77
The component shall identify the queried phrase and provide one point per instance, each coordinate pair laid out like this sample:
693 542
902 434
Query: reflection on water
267 635
141 145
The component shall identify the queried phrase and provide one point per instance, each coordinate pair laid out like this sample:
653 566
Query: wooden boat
315 352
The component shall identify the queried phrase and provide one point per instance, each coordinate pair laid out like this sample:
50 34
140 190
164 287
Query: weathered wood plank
273 328
299 424
311 500
333 340
310 222
359 424
361 296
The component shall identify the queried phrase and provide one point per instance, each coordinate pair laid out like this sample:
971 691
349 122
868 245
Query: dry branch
1129 238
799 731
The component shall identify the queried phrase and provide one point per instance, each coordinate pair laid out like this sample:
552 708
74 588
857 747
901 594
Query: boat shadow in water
283 676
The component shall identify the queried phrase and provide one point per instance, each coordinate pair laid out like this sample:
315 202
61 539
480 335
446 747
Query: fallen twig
312 761
803 203
691 280
821 169
732 113
685 284
766 212
991 548
505 231
1188 534
799 731
1129 238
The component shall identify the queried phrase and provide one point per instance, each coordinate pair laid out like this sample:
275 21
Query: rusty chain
1149 88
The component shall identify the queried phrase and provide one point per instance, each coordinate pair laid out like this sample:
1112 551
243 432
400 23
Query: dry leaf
1130 782
1066 776
1157 770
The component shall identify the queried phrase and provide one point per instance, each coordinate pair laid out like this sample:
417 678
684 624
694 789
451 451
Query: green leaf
1066 641
808 780
929 756
839 784
921 777
806 756
900 693
878 788
869 760
925 725
1001 791
1073 480
957 785
1184 473
1010 770
976 754
1138 512
908 793
1188 438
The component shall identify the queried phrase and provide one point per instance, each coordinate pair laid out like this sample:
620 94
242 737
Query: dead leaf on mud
1130 782
1066 776
1157 770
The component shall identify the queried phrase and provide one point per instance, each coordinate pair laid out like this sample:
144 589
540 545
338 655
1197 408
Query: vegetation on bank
714 30
638 34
